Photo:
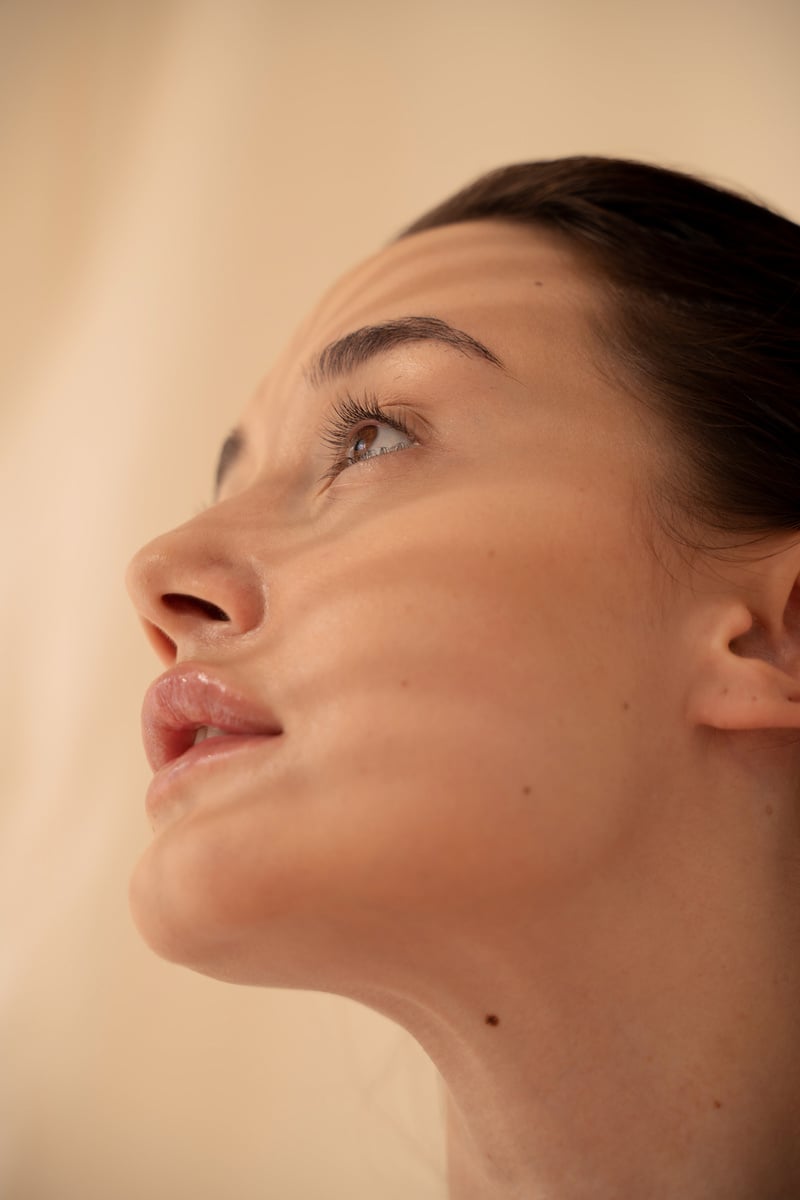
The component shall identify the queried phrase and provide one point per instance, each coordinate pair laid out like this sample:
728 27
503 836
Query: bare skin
535 796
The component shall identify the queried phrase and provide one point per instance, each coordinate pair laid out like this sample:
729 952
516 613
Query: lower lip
171 777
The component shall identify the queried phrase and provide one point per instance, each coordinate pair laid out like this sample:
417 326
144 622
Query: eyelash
341 427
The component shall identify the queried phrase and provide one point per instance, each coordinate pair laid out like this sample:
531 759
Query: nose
192 594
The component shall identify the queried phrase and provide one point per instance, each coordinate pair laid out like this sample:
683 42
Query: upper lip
187 697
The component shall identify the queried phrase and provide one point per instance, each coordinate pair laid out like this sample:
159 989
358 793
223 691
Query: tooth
207 731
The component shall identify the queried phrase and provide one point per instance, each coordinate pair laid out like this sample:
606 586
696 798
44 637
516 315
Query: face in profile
420 626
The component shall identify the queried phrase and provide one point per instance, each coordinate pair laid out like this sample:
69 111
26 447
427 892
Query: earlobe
748 678
754 695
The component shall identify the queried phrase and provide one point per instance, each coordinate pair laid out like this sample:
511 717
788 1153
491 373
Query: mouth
207 731
190 716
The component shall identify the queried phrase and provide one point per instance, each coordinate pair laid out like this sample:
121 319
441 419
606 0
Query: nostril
179 603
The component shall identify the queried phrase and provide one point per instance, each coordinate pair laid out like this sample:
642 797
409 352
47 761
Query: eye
372 439
359 429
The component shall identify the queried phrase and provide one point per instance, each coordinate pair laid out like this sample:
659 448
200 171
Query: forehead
522 292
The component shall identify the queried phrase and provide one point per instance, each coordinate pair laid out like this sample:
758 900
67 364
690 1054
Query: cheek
458 636
479 722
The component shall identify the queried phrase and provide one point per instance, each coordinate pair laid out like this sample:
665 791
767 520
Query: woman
483 681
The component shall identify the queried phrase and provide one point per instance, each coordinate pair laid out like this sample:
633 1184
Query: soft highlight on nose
190 591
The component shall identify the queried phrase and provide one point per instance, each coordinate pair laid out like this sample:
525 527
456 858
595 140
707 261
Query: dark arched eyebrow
359 347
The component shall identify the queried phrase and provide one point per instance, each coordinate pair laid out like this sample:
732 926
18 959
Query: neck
680 1089
646 1043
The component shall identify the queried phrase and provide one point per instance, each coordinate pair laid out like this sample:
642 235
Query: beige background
179 182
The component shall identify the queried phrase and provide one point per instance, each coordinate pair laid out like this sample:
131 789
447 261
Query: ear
748 674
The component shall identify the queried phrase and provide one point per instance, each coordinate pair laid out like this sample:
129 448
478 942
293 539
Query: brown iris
364 443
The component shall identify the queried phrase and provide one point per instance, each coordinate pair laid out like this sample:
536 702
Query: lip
180 702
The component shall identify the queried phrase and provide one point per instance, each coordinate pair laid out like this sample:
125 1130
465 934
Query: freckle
625 705
526 791
538 282
769 810
491 1019
725 691
490 553
754 698
717 1104
403 683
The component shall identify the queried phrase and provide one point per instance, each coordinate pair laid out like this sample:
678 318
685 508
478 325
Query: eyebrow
356 349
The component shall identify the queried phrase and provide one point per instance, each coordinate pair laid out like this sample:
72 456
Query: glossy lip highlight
180 702
187 697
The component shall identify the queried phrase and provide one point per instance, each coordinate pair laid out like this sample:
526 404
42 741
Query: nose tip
189 589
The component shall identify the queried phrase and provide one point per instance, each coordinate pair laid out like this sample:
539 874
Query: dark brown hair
703 287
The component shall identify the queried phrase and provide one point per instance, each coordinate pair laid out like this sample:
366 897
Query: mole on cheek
492 1019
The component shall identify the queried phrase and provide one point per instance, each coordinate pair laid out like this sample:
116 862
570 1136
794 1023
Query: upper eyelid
351 411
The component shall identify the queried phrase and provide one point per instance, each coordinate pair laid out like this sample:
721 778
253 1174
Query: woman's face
462 641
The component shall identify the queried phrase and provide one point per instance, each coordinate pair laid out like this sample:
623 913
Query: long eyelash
348 412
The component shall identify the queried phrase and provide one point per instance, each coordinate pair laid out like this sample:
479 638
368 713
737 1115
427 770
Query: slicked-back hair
702 302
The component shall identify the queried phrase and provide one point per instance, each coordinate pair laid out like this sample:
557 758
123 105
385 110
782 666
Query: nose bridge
196 584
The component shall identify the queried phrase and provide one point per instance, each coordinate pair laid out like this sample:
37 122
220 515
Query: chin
185 920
